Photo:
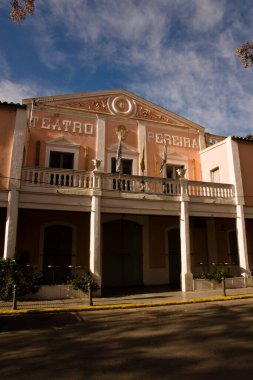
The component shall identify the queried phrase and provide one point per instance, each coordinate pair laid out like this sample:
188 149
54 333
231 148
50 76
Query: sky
178 54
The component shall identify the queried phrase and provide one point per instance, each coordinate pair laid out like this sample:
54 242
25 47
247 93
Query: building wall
71 129
7 125
216 156
92 134
76 129
246 153
30 232
158 241
182 148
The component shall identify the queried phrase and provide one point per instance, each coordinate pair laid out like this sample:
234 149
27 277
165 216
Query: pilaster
141 143
242 241
100 142
14 184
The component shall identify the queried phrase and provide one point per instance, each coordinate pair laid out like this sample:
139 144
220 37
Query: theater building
111 182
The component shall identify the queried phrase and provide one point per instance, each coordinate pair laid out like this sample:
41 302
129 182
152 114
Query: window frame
62 149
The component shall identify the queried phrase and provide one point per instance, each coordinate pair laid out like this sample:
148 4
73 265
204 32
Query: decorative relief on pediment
122 106
95 105
149 114
118 105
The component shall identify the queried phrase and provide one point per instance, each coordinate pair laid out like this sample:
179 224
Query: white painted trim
17 148
100 142
95 261
142 138
186 274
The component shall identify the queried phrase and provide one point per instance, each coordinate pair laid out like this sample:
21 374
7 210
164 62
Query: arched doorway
57 253
174 250
122 253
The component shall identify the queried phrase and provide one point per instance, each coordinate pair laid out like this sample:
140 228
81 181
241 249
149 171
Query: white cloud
4 67
97 30
15 92
206 14
106 19
178 53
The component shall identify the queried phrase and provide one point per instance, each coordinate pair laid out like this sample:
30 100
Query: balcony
73 179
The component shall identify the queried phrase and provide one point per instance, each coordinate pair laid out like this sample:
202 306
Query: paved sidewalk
147 298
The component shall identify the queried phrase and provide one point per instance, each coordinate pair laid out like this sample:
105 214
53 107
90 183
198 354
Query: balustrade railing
58 178
47 177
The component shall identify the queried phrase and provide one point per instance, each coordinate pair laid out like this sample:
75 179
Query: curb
122 306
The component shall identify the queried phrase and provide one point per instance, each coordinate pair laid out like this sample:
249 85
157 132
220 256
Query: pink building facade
180 204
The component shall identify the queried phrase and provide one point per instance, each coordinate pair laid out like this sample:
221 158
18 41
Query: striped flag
142 163
164 156
119 157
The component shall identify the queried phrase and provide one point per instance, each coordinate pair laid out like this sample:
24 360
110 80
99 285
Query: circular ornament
121 105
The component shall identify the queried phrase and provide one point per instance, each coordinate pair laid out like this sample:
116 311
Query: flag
164 156
31 115
119 157
142 163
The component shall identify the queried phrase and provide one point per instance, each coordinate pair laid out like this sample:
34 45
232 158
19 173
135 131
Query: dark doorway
57 253
174 246
122 254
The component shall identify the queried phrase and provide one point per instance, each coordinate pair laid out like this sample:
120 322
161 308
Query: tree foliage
82 282
20 9
245 52
24 277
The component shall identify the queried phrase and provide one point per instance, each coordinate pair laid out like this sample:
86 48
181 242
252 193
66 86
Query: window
215 175
62 160
127 165
62 153
171 171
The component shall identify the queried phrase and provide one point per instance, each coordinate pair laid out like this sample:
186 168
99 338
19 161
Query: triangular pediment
125 148
174 155
62 141
119 103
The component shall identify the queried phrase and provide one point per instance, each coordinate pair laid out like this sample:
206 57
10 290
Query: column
11 225
95 235
14 184
186 275
242 241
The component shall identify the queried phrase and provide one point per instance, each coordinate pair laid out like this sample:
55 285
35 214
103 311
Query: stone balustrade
47 177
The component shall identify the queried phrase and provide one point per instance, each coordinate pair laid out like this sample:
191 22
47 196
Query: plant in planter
23 276
81 282
216 276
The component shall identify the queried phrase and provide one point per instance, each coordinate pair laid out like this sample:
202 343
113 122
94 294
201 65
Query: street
194 341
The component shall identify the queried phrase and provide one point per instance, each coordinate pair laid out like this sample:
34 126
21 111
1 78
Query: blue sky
178 54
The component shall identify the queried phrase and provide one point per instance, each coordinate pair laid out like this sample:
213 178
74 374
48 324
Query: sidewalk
159 297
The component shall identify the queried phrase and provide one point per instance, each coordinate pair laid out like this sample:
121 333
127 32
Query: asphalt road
199 341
